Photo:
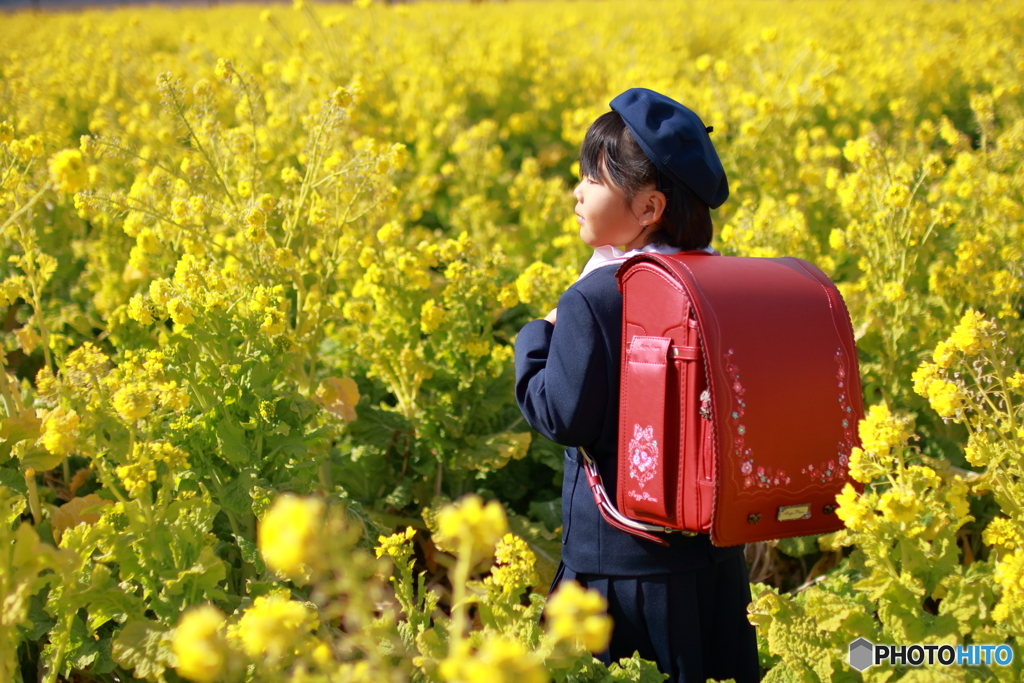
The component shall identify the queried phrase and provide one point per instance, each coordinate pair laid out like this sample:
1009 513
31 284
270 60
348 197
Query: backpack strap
613 516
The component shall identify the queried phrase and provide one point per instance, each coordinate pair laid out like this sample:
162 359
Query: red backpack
739 401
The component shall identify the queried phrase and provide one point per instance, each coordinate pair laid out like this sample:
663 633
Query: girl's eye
591 180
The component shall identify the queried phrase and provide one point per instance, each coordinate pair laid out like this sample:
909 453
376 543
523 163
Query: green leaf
636 670
36 457
382 429
799 546
104 661
291 445
145 647
548 452
82 648
401 496
548 513
14 480
11 507
250 553
108 601
202 578
39 623
235 497
231 439
493 452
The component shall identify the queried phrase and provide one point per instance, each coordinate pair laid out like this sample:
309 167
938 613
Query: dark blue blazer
567 385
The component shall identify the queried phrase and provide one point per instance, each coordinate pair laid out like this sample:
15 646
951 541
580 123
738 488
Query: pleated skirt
693 624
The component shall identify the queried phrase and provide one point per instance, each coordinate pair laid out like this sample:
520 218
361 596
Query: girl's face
606 218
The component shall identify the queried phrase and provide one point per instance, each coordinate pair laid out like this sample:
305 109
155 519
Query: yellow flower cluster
141 469
274 626
497 660
968 338
1009 577
1003 534
578 615
59 430
881 432
199 644
291 535
944 396
472 528
67 171
514 565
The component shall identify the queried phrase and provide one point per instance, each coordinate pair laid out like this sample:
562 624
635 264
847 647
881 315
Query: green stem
62 644
462 567
5 388
33 496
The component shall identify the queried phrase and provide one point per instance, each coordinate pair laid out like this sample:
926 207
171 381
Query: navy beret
676 141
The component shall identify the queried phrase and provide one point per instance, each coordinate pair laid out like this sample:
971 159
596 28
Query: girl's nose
578 192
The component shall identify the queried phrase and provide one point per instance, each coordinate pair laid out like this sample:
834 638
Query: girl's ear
649 205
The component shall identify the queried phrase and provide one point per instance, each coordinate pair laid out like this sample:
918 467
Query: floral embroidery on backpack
643 459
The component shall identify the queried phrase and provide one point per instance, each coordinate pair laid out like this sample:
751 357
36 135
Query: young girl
650 174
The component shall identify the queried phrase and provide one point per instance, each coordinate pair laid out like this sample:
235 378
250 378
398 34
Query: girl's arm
561 373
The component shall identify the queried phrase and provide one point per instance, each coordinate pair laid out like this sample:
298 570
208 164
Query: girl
649 176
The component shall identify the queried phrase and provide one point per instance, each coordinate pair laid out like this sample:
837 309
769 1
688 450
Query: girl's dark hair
686 221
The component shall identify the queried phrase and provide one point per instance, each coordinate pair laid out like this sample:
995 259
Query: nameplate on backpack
788 513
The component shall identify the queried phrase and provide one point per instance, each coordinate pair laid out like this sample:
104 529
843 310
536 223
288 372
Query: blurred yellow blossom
290 535
473 526
199 645
60 430
68 171
578 614
499 659
274 625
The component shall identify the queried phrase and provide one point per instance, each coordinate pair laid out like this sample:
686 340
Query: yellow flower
223 68
970 334
180 311
470 526
853 509
1009 576
133 401
290 536
578 614
432 316
508 296
59 430
1003 533
397 546
138 310
68 171
274 625
514 568
198 643
499 660
881 431
945 398
900 505
864 467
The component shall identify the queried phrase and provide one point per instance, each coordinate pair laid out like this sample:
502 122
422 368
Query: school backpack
739 401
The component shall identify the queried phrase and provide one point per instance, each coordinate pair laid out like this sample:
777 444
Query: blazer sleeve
562 375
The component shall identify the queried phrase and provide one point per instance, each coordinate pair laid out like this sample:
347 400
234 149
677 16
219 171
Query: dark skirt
693 624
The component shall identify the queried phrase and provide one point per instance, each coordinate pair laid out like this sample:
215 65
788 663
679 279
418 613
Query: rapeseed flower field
264 265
